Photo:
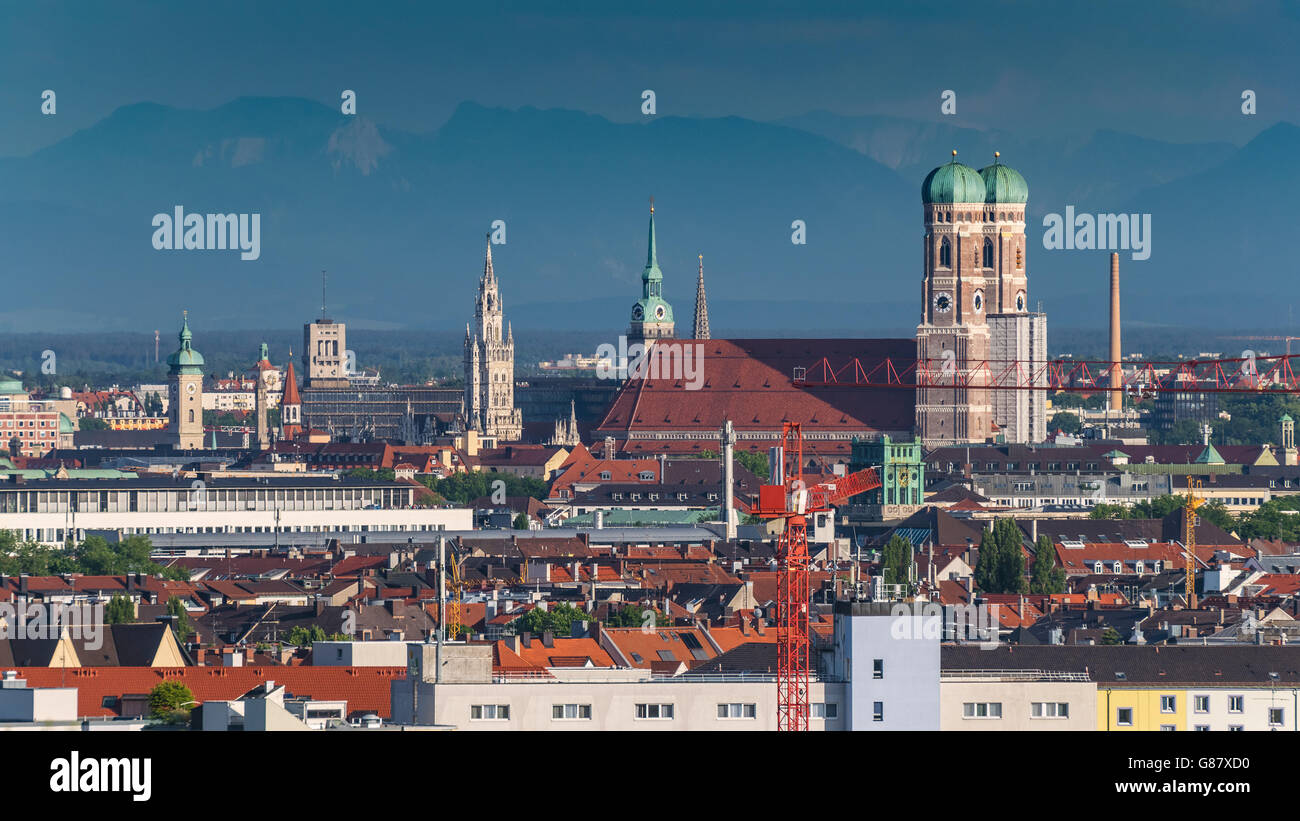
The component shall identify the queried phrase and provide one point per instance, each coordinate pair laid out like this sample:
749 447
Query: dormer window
604 474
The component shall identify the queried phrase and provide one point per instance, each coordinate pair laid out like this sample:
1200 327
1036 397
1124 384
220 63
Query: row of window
1037 709
662 712
654 497
992 467
1169 704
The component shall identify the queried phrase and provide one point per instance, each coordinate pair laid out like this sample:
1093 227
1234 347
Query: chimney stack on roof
1116 372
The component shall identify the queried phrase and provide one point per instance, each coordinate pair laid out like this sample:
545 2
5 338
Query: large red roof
750 382
366 689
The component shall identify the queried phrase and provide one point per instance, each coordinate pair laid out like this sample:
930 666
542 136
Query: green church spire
651 252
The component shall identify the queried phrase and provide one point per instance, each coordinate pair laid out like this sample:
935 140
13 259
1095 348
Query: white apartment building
470 697
1016 700
52 510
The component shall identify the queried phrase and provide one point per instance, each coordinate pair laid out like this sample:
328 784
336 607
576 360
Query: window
827 709
945 253
1117 567
570 712
1124 716
877 711
877 668
982 709
1168 704
737 710
1276 715
1201 704
1049 709
988 253
1201 728
489 712
1166 728
662 712
1235 728
1235 703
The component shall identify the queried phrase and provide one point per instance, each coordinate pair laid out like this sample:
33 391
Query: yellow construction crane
1189 538
454 599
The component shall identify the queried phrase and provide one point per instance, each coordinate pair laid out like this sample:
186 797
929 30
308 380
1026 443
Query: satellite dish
758 612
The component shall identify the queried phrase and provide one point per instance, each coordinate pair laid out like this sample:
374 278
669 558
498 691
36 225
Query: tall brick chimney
1116 373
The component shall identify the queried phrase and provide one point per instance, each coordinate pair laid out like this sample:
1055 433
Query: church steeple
701 330
488 275
489 404
652 253
652 317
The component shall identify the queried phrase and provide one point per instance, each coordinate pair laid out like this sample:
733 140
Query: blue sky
1174 71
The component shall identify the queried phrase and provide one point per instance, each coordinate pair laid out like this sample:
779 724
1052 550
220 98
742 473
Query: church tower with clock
652 317
975 319
185 389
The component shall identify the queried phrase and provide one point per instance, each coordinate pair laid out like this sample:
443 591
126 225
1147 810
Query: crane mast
792 501
1189 539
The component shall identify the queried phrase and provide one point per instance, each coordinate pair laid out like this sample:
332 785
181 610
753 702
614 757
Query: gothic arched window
945 253
988 253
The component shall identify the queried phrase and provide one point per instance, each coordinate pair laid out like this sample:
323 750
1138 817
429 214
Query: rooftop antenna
323 277
155 346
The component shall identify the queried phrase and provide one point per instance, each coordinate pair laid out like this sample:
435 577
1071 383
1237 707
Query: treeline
96 556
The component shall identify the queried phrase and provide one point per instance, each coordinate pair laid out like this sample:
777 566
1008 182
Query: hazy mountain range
398 219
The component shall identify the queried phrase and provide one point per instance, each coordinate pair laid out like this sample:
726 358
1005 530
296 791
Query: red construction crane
793 501
1247 374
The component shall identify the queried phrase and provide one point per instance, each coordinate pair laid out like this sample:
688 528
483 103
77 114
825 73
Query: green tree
755 463
301 636
896 561
1001 564
986 568
1046 577
463 488
1111 636
559 619
1065 422
169 698
120 610
176 608
632 615
381 475
1011 557
521 522
91 423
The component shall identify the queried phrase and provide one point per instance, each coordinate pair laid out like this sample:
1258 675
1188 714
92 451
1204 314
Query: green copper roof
652 255
10 386
65 424
1002 183
952 182
185 359
1286 417
1209 456
652 307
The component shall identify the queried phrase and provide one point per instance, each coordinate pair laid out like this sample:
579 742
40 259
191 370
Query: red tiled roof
366 689
749 381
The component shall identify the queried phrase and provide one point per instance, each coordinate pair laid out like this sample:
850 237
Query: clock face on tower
1020 301
190 388
979 301
659 312
638 313
943 302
